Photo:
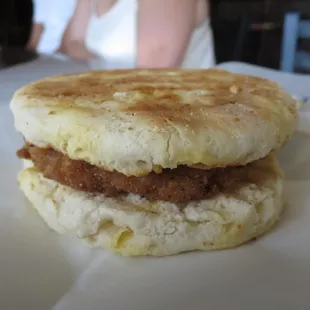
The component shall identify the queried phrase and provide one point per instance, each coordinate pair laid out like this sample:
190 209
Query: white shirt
54 15
113 37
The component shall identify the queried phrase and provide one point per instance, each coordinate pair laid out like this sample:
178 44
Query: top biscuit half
138 121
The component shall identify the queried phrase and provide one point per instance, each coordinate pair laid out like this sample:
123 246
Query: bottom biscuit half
131 225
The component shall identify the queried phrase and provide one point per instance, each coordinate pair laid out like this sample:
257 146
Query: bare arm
77 27
40 9
164 29
35 35
74 35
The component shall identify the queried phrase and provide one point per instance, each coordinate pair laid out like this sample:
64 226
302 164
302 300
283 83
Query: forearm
164 30
73 39
76 28
160 56
35 35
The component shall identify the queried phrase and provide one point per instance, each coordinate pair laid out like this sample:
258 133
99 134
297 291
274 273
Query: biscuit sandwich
154 162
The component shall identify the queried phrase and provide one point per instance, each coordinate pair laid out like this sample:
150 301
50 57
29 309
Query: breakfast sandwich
154 162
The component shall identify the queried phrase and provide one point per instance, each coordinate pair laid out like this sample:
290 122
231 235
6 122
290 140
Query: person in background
140 33
50 19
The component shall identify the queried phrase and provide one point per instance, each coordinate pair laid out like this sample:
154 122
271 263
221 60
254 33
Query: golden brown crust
137 121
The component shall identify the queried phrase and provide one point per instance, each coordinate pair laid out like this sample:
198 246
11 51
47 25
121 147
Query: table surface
297 84
41 269
17 76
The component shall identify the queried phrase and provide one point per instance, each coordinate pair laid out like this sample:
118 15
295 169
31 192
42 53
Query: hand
77 51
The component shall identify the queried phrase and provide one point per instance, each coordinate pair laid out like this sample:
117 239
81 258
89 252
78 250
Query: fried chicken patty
175 185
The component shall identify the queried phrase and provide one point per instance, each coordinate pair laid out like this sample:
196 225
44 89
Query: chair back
294 28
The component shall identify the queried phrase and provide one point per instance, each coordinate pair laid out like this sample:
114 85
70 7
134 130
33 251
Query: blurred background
244 30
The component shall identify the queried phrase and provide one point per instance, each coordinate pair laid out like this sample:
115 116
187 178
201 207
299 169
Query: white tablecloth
14 77
297 84
41 270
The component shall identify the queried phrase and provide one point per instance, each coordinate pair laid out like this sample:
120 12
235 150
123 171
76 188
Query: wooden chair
294 28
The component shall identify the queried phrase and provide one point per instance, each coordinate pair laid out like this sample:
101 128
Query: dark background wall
15 21
237 26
